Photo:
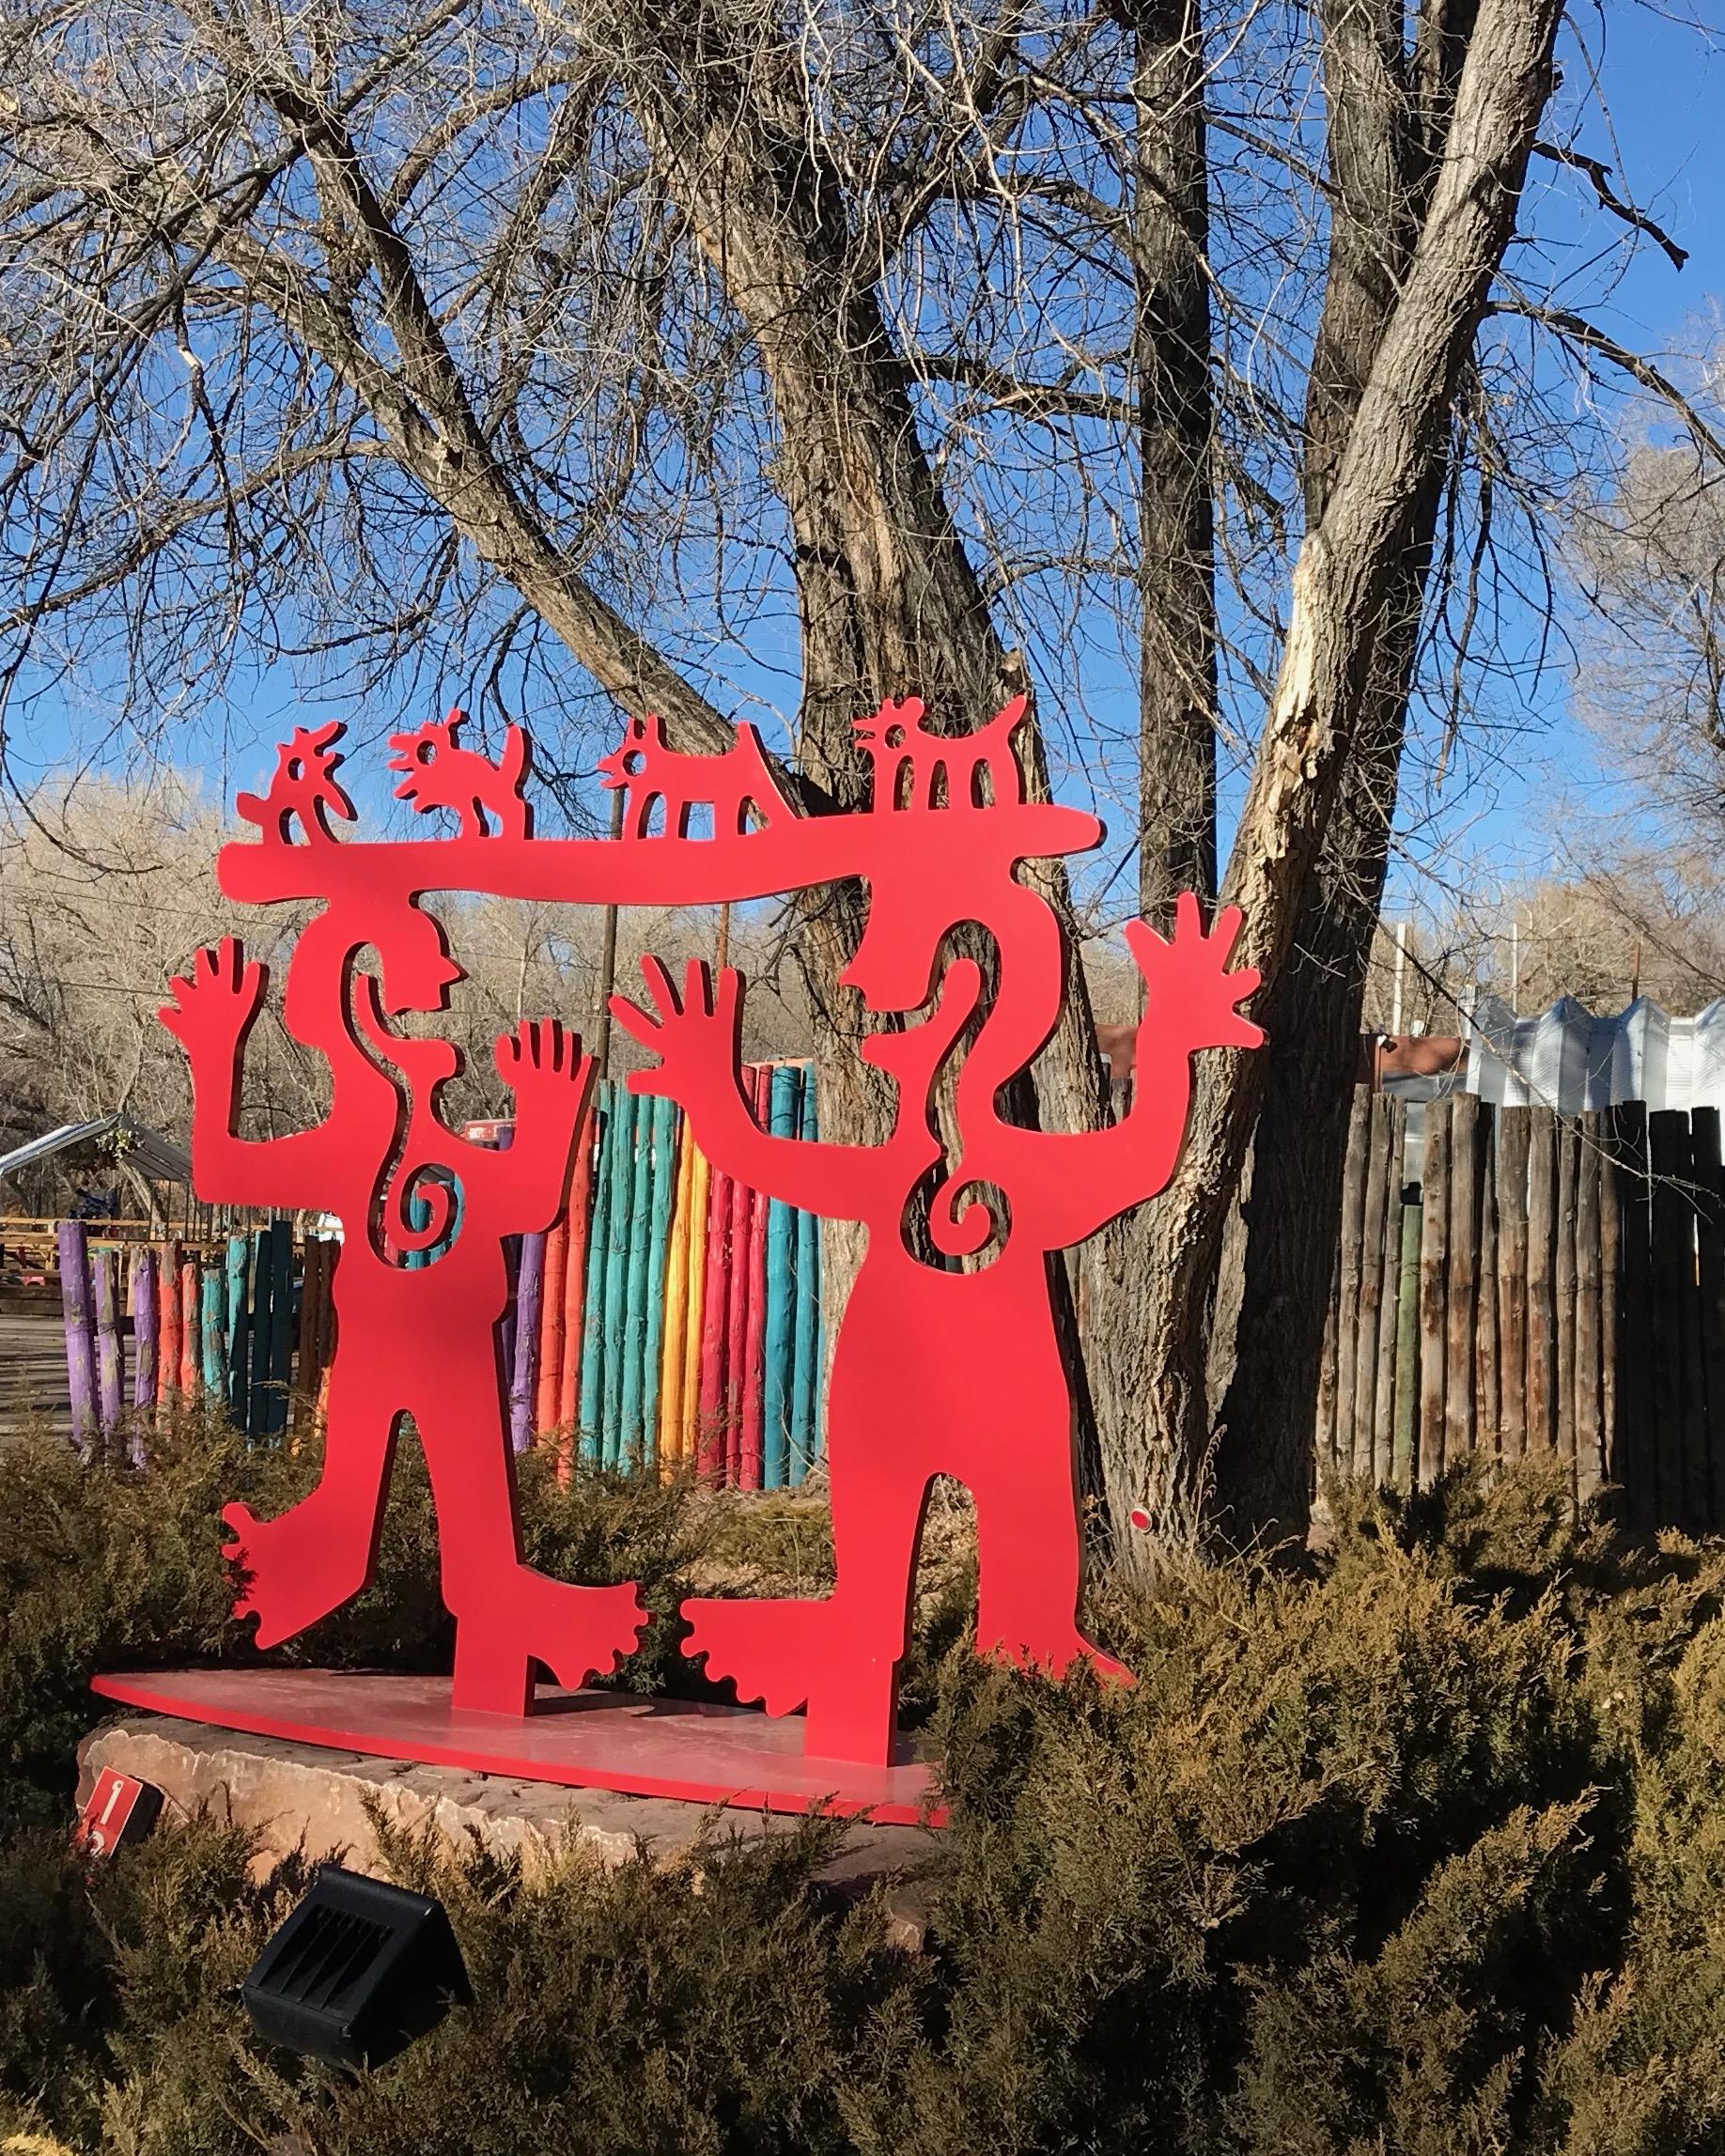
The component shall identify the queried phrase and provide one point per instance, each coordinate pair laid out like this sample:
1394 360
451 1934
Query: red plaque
121 1808
946 1360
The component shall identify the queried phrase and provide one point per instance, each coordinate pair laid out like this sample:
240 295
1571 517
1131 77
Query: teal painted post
780 1348
622 1167
664 1123
418 1210
805 1387
281 1322
593 1310
263 1275
623 1442
237 1280
212 1331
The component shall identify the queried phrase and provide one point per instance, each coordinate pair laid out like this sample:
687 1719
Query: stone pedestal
296 1796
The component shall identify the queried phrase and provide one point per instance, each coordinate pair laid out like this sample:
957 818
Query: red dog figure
939 1371
421 1342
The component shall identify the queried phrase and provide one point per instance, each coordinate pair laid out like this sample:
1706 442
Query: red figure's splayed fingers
538 1053
1187 978
218 999
695 1037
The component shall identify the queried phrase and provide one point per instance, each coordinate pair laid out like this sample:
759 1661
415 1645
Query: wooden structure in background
1549 1285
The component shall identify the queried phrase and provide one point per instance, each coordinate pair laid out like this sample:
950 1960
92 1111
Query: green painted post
238 1326
593 1312
663 1126
624 1214
779 1356
281 1323
263 1274
212 1329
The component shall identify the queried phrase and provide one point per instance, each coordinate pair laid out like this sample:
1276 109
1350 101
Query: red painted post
737 1316
709 1436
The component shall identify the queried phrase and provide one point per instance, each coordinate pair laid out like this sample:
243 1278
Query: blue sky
1663 78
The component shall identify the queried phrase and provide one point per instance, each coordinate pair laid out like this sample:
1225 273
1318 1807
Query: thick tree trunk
1344 585
1176 735
1384 151
1176 571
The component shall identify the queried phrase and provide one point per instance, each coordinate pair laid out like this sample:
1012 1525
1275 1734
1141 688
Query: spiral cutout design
395 1228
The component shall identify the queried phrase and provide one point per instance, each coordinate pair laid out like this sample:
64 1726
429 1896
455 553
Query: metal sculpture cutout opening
946 1360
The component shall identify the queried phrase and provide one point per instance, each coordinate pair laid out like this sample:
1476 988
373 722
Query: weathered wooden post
110 1352
75 1302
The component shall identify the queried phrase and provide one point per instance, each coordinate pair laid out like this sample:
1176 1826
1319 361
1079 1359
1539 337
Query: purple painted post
80 1333
529 1285
110 1354
143 1347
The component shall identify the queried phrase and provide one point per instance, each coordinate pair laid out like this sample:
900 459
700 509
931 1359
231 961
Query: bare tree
424 340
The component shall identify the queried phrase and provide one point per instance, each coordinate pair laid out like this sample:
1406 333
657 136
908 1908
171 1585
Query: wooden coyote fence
1523 1282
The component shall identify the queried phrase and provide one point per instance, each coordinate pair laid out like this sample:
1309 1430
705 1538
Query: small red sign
121 1808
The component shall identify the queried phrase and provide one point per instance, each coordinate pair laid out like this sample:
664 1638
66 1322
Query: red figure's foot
1056 1657
577 1632
785 1653
296 1569
770 1649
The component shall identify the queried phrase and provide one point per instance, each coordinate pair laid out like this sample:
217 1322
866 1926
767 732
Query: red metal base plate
586 1740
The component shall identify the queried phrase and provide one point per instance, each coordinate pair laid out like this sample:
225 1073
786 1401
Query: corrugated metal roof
1569 1060
157 1157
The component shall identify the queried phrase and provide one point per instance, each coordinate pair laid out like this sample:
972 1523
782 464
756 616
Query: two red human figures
946 1360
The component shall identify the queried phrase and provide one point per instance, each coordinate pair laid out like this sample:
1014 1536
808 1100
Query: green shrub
1419 1849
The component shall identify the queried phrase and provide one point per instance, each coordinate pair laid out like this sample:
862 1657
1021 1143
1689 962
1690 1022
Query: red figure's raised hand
695 1036
212 1008
1190 991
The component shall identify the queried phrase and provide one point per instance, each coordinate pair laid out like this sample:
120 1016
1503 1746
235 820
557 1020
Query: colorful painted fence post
805 1381
778 1344
79 1328
144 1322
110 1348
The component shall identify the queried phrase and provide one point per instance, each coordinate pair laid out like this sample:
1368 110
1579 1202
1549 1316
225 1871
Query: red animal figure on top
440 774
939 1372
419 1343
917 769
305 785
651 771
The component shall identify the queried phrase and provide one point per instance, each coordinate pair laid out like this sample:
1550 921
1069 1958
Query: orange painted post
675 1347
167 1361
700 1178
188 1326
548 1391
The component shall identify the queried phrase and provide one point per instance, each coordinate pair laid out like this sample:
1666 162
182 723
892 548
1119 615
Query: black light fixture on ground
357 1973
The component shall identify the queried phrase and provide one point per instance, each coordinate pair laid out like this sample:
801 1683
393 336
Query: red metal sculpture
946 1361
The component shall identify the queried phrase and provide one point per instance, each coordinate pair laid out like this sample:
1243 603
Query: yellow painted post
674 1349
700 1176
